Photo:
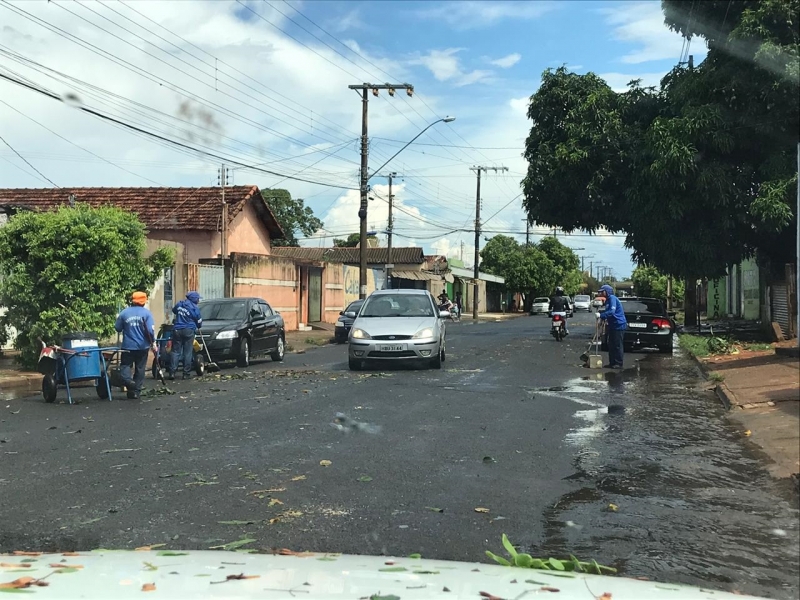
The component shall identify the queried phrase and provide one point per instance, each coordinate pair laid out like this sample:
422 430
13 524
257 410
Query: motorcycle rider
559 305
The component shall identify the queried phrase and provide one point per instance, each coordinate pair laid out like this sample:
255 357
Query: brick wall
269 277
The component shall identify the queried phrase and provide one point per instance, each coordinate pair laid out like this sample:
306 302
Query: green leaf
389 597
233 545
28 560
66 570
509 546
498 559
523 560
538 563
15 591
426 572
415 555
393 569
365 479
534 582
171 553
236 522
556 564
434 509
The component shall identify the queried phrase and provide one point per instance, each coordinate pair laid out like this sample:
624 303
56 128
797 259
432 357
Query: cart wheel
49 388
199 365
102 390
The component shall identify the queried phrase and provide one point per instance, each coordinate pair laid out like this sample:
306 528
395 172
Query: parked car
649 325
540 306
598 303
241 328
345 321
398 326
583 302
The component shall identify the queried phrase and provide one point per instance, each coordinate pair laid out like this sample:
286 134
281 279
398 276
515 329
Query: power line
451 145
28 163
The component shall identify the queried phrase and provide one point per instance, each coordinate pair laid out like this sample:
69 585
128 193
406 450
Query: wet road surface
512 424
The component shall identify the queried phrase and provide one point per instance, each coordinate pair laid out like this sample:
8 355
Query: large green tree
71 270
295 218
651 283
565 262
351 241
698 173
526 269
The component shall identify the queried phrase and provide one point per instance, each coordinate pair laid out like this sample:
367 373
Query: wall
162 313
247 234
375 281
196 244
269 277
332 292
751 296
717 299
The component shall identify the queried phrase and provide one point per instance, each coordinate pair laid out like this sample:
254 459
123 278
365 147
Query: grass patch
694 344
716 377
318 341
757 347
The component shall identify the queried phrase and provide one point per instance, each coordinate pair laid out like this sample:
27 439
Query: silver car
398 326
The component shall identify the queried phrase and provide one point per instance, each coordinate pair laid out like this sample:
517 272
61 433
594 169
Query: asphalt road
639 469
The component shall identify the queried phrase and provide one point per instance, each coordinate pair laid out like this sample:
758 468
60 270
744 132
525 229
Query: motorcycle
452 308
559 326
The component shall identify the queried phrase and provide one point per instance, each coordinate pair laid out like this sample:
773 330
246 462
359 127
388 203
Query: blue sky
263 81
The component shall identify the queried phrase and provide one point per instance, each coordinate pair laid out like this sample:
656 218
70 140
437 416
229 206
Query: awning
468 274
416 275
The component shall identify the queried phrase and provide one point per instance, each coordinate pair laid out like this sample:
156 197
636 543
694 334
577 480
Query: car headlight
424 333
227 335
359 334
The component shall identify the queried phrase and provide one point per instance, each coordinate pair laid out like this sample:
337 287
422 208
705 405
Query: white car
540 306
583 302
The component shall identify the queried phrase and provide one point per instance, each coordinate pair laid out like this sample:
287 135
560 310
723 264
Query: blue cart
78 359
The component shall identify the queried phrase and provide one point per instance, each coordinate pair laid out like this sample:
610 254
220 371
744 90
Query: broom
595 341
211 366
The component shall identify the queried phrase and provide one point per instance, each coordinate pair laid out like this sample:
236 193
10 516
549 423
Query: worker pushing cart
138 339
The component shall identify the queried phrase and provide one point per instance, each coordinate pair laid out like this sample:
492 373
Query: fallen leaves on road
15 565
287 552
274 501
435 509
23 583
325 463
547 588
120 450
605 596
71 554
64 566
480 509
149 587
238 577
613 507
233 545
236 522
488 459
299 478
145 548
365 479
269 491
24 553
489 596
748 433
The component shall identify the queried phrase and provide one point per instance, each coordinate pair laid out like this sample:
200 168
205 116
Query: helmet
559 291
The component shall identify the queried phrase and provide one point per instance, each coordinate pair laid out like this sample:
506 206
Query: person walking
138 329
184 328
616 324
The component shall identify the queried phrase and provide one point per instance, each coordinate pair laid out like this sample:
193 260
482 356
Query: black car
345 322
649 325
241 328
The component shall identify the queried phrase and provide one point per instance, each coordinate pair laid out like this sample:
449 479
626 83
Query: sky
262 85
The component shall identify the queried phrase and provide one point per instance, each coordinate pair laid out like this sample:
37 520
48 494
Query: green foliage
524 268
351 241
651 283
292 214
71 270
566 264
694 345
526 561
699 173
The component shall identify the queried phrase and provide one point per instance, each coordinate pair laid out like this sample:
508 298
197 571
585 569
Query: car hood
100 574
215 326
393 325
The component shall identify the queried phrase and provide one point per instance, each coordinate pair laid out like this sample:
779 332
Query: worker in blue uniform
184 328
616 324
138 337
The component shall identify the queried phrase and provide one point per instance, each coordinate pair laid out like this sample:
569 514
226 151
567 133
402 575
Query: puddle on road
696 504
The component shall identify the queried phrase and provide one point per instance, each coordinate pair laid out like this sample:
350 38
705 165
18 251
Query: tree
566 264
71 270
699 173
351 241
293 216
650 283
525 269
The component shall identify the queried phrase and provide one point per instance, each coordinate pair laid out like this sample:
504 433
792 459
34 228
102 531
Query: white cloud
347 22
520 105
642 24
619 81
507 61
446 66
463 15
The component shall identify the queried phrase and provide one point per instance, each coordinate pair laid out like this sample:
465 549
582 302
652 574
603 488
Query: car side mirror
350 314
254 312
341 312
443 314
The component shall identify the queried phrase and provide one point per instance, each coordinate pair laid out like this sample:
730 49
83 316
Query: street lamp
362 213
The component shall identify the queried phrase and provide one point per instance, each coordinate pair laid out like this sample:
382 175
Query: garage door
780 307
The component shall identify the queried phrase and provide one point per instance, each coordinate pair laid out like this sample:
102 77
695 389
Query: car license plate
638 325
393 348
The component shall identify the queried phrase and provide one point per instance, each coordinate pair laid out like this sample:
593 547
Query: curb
721 391
29 381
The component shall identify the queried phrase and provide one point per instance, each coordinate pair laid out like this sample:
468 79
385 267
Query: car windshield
354 306
653 307
581 298
397 305
223 311
542 300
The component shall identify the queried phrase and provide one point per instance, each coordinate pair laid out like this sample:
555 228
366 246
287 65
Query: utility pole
475 272
669 292
223 181
363 89
462 251
527 232
389 264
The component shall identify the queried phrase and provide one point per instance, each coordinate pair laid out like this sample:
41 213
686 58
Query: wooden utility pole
389 228
475 272
363 89
223 180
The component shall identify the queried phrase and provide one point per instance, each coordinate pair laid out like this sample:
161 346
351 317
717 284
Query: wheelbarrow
164 361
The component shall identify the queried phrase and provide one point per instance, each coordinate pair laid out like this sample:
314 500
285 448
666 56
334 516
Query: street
638 469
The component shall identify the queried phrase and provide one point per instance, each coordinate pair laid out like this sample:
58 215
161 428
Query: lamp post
362 213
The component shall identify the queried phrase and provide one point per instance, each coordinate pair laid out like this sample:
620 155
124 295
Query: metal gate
780 307
314 295
209 280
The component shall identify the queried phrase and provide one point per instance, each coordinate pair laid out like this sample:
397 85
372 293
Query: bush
71 270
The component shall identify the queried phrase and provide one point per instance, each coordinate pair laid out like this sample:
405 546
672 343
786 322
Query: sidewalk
762 389
11 377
